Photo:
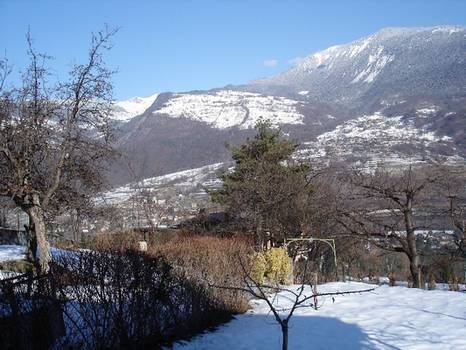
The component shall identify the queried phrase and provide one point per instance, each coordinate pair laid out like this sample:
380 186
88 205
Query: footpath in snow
387 318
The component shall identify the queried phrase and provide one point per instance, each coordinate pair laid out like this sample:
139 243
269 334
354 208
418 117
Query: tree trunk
31 248
415 271
36 215
413 254
259 232
284 326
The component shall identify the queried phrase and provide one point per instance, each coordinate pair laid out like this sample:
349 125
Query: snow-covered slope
390 62
380 139
387 318
186 182
396 95
227 108
125 110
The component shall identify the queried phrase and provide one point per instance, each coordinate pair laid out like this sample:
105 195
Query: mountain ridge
395 73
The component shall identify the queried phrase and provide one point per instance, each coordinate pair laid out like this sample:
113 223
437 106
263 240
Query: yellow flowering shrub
258 267
279 266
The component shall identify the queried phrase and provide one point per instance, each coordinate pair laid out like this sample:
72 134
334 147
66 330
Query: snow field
387 318
227 108
128 109
12 252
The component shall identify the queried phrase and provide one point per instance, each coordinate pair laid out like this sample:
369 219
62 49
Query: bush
210 261
119 241
279 266
127 299
258 265
273 265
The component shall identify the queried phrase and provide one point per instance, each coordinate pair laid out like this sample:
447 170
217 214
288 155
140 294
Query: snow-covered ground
387 318
12 252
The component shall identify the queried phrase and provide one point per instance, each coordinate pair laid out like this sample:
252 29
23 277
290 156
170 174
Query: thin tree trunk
259 232
43 257
415 271
284 326
411 240
31 242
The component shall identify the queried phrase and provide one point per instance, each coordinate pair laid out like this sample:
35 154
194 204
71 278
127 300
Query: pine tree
266 187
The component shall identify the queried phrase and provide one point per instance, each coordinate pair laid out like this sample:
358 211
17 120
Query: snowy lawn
387 318
12 252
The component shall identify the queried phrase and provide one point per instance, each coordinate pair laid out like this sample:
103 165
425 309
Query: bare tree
147 205
299 297
55 138
388 208
453 191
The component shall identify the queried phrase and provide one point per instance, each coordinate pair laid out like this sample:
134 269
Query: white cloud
296 60
271 63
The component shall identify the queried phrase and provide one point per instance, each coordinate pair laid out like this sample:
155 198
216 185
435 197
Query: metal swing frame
329 241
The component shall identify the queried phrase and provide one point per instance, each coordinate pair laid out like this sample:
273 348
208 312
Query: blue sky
182 45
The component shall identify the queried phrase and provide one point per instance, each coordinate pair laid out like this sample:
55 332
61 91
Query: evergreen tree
266 187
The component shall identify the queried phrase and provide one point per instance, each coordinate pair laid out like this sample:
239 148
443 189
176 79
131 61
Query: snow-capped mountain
398 95
389 63
125 110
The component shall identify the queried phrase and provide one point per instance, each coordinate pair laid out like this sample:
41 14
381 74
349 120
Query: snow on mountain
352 95
125 110
425 112
390 62
378 127
228 108
377 138
375 65
448 29
185 181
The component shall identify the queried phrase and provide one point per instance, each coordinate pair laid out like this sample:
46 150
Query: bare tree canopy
389 208
55 138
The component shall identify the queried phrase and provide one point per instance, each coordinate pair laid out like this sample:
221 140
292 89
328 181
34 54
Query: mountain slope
125 110
408 80
391 63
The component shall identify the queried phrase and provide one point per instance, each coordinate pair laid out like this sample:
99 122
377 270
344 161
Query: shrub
279 265
111 299
21 266
258 265
117 298
119 241
210 261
